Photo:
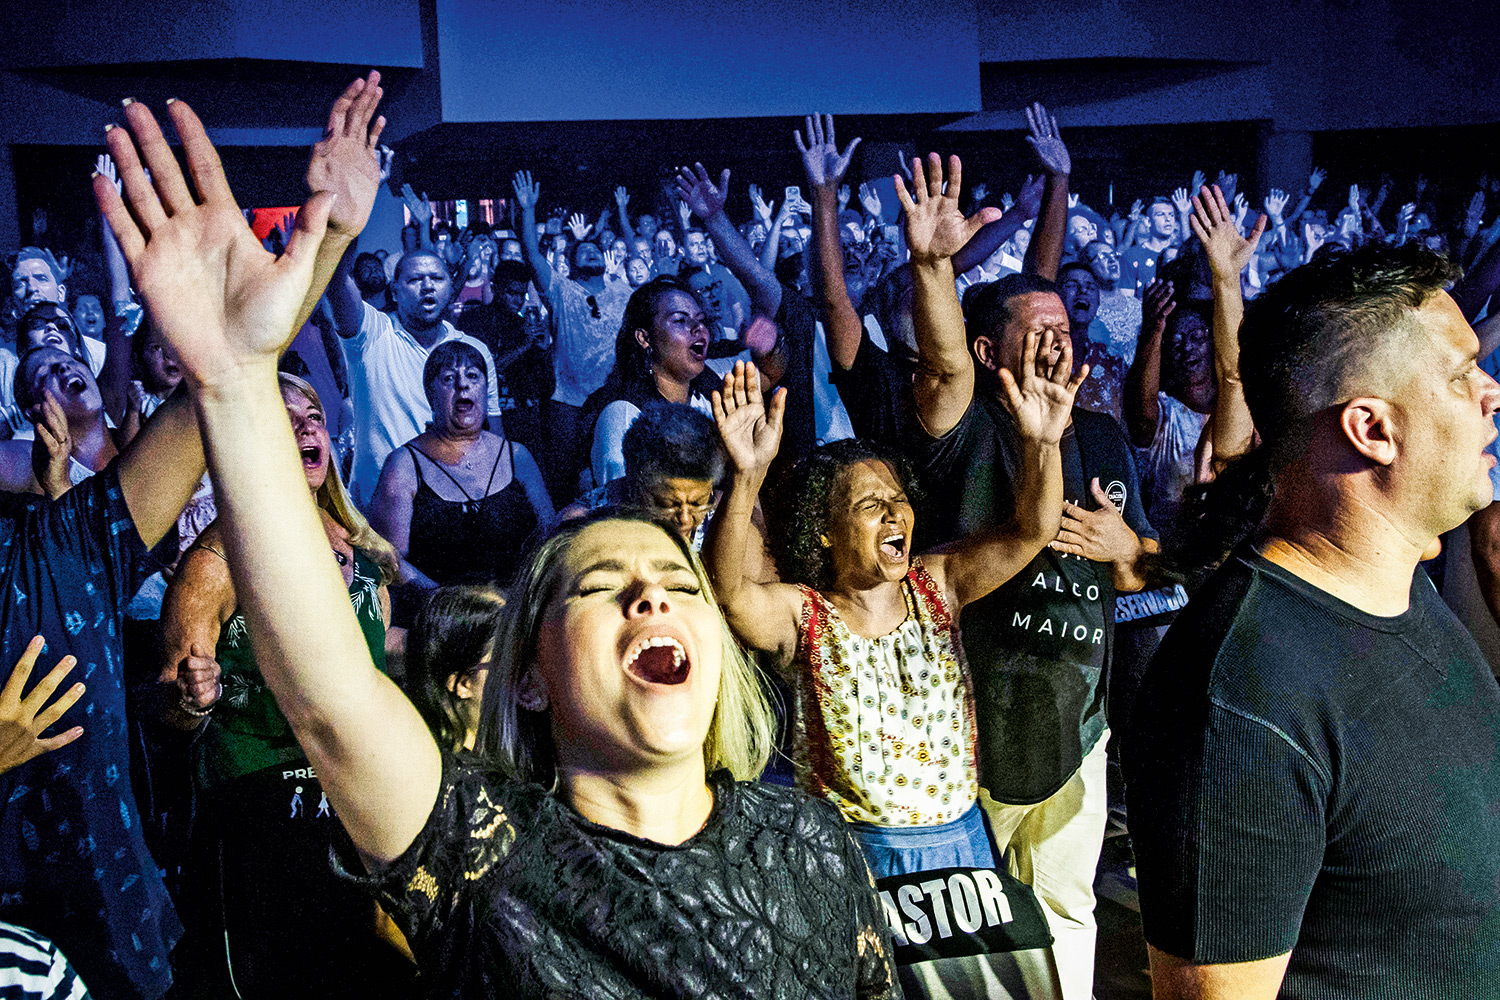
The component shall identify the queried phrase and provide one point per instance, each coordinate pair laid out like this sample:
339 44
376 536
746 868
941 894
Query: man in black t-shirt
1313 768
1036 647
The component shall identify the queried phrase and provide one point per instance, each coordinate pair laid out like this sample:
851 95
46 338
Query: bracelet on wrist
201 713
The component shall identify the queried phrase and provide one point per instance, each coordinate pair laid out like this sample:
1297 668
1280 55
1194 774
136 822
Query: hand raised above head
527 190
750 430
821 158
218 298
1213 223
1047 141
698 191
935 228
348 161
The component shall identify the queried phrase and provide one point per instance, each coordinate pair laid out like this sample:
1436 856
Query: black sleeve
873 393
796 321
1134 512
427 889
941 461
1227 848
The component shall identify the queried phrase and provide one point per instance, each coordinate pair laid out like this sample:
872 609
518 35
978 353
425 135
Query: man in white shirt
385 354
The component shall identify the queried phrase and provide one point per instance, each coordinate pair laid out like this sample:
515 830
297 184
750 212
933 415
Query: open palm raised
212 291
750 430
1042 400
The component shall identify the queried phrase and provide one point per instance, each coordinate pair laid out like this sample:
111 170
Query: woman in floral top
885 727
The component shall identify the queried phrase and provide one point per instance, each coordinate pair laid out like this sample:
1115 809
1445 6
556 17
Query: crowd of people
693 581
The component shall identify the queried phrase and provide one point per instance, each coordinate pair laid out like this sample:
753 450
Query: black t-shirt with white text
1037 647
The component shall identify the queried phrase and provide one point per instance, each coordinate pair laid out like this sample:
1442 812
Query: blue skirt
901 850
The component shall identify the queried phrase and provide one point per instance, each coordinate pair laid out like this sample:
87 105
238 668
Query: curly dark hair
803 506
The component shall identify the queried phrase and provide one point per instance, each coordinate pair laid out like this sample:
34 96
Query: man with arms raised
1313 768
1038 645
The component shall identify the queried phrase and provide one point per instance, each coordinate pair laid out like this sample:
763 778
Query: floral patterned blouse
885 729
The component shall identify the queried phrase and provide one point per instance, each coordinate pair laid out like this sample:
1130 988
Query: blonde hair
519 742
333 498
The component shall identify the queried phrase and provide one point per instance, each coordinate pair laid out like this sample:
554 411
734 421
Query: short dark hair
368 273
21 389
510 272
413 255
448 354
803 506
1073 265
987 307
573 249
1307 342
455 629
671 441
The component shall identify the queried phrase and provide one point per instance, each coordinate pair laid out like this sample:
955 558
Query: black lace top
507 892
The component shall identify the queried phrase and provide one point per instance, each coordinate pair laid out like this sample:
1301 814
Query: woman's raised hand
216 295
750 430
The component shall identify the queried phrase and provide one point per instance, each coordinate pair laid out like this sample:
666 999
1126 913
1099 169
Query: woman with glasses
458 502
673 463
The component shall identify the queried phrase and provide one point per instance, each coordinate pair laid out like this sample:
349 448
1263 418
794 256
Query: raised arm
1040 405
622 202
763 615
826 167
114 378
706 199
527 192
347 163
1229 254
935 230
1143 380
994 234
228 308
1044 254
1314 181
421 215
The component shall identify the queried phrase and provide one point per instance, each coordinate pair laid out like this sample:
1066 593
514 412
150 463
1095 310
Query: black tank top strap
438 465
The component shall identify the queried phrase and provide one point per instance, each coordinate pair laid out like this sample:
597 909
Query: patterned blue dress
73 862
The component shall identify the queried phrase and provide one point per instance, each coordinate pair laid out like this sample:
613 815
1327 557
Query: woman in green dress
258 882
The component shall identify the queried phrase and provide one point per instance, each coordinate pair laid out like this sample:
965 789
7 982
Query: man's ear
62 290
532 693
1369 424
985 353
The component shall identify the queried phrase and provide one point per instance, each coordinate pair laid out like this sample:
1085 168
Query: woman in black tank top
459 502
